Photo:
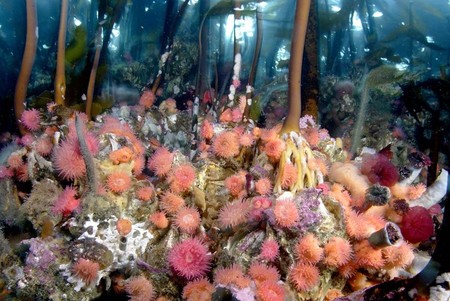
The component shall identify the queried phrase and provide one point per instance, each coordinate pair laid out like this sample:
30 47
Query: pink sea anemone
206 130
44 146
338 251
198 290
118 182
139 289
273 148
144 193
246 140
14 161
190 258
86 270
161 162
5 172
304 276
261 272
289 176
270 250
67 160
270 291
234 213
187 220
235 184
232 275
286 213
226 144
308 249
31 119
147 99
263 186
398 256
139 164
181 178
368 257
66 202
171 202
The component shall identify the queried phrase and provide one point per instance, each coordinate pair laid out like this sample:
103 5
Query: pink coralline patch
161 162
139 289
44 146
286 213
289 176
226 144
171 202
118 182
304 276
308 249
338 251
147 99
417 225
67 160
232 275
86 270
187 220
206 130
235 184
263 186
66 202
181 178
379 169
273 148
234 213
190 258
198 290
31 119
270 250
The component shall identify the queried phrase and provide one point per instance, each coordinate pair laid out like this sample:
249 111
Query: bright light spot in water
76 22
45 46
335 8
146 9
116 32
430 39
401 66
377 14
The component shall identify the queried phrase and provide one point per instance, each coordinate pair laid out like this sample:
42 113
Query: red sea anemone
190 258
379 169
304 276
86 270
31 119
417 224
139 289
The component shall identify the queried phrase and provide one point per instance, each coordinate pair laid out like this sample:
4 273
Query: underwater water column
27 62
295 67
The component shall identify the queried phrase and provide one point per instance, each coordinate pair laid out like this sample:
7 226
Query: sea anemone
270 291
66 202
263 186
161 162
190 258
144 193
171 202
198 290
417 225
123 226
206 130
233 275
139 164
234 213
273 148
159 219
379 169
246 140
398 256
14 161
67 160
226 144
368 257
304 276
187 220
147 99
86 270
181 178
139 289
122 155
31 119
286 213
289 176
44 146
308 249
270 250
118 182
235 184
260 273
338 251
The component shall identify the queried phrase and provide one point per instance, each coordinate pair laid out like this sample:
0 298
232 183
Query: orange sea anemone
159 219
263 186
144 193
270 291
86 270
226 144
235 184
161 162
286 213
260 272
338 251
198 290
304 276
122 155
289 176
171 202
273 148
139 289
232 275
181 178
368 257
124 226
